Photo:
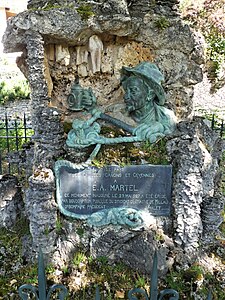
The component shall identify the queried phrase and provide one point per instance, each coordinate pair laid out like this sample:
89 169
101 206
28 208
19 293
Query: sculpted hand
150 132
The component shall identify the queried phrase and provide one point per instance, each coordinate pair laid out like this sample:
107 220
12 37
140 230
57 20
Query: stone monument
116 43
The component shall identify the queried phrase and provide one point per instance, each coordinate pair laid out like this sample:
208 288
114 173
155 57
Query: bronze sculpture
144 99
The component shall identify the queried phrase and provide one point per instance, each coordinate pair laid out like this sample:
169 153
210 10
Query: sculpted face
136 93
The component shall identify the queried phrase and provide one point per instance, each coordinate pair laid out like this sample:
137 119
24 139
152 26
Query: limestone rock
125 33
10 200
48 77
62 55
134 248
41 209
195 193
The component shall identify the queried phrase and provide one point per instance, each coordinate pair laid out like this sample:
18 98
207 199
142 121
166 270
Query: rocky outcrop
198 203
125 37
134 249
11 203
41 209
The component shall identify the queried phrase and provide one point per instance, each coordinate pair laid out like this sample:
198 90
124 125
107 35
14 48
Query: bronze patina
144 99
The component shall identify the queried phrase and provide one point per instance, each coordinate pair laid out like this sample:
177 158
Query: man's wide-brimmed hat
151 75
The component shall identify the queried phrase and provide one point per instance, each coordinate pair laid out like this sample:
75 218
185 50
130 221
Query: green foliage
13 272
58 225
51 6
67 126
216 53
208 17
85 11
79 258
46 230
8 237
156 153
194 273
195 279
162 23
141 282
12 138
50 269
131 153
80 231
159 237
114 280
102 259
11 91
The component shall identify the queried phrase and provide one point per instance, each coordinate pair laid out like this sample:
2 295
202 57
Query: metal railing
42 293
14 133
218 126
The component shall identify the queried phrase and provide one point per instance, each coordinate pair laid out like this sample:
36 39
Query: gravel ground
205 102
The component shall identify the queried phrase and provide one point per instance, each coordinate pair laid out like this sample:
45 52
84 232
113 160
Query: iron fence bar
0 162
7 139
17 144
41 277
209 296
97 293
7 131
154 278
17 138
222 129
25 126
213 121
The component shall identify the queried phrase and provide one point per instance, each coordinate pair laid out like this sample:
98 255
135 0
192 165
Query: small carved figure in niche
95 47
144 98
82 55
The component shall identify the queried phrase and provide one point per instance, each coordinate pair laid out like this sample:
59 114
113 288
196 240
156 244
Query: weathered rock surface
11 202
41 209
120 36
133 248
195 155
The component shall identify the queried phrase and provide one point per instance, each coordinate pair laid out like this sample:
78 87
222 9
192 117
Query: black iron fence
218 125
41 292
16 132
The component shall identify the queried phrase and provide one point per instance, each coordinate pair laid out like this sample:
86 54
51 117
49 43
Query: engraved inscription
143 187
